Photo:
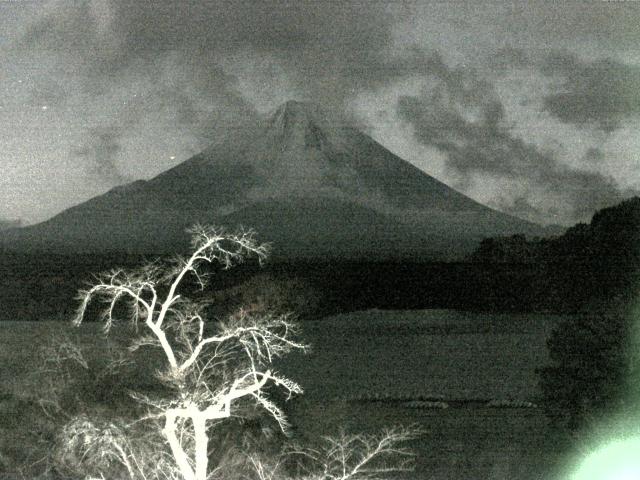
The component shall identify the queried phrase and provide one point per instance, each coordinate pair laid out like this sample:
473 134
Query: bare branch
361 457
208 368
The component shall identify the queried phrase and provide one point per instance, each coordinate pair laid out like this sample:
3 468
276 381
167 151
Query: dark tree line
593 372
590 265
613 236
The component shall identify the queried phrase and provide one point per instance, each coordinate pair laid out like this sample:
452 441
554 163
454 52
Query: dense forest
589 266
593 375
612 237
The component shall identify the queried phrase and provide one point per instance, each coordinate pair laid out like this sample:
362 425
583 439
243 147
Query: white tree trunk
176 448
201 447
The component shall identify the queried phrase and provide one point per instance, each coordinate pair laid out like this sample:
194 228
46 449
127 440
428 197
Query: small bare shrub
344 457
267 293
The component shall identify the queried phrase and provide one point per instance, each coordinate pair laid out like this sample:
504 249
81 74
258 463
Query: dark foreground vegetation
145 406
591 385
34 289
353 382
590 267
591 271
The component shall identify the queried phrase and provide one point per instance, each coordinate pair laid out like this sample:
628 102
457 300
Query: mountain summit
307 181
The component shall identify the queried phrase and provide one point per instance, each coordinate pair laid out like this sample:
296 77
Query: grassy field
426 353
458 443
375 365
371 369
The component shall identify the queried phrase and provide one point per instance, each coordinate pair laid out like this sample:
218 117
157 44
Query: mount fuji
309 183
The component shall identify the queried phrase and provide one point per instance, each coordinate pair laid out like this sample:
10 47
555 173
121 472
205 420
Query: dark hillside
44 288
590 265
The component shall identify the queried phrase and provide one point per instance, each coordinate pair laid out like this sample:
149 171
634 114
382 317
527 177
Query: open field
426 353
458 443
371 369
377 365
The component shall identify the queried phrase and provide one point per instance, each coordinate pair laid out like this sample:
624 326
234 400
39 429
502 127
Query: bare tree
209 366
210 370
364 457
347 457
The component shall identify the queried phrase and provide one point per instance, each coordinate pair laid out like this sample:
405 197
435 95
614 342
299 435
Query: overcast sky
529 107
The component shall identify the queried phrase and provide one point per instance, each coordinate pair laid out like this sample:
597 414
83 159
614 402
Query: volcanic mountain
313 186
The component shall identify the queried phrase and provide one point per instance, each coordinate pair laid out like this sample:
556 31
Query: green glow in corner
618 460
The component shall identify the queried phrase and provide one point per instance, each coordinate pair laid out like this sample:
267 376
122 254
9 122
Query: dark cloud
522 207
102 149
329 50
462 117
176 54
602 93
6 224
48 91
507 58
457 85
593 156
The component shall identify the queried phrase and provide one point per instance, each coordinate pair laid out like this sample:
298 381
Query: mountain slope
311 184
